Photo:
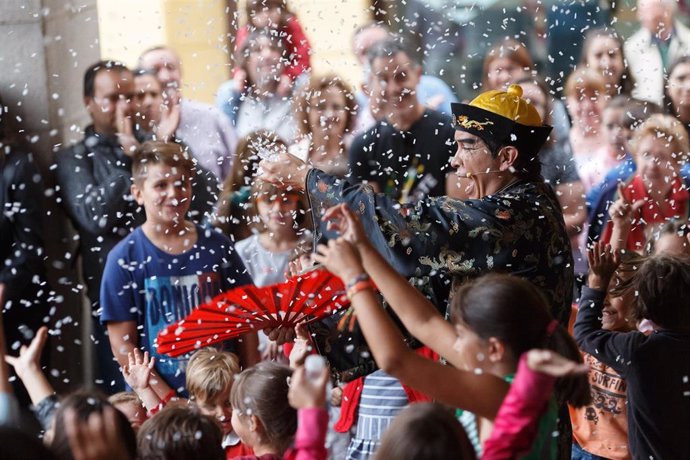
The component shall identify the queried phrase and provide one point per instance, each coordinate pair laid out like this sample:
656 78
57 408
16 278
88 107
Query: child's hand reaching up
304 393
138 371
622 211
28 363
551 363
341 219
302 346
341 258
603 262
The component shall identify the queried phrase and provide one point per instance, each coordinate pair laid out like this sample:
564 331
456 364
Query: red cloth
296 44
516 424
650 212
353 392
238 450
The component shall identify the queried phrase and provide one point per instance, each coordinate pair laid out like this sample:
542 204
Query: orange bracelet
358 287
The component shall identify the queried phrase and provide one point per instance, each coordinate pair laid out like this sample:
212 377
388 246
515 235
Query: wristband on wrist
359 287
171 394
357 279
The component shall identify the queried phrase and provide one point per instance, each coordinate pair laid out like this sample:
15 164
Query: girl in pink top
280 414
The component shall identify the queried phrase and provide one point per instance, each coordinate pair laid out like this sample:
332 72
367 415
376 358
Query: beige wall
195 28
198 28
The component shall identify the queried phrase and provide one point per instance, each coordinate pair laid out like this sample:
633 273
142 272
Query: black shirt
406 165
656 369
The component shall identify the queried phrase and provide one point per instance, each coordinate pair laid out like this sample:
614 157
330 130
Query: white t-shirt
265 267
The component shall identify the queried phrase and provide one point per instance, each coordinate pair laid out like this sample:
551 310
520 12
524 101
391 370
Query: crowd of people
517 265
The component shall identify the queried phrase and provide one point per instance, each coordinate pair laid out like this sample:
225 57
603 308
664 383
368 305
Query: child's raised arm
9 410
481 394
515 427
603 261
123 341
309 398
622 212
137 374
611 348
28 368
415 311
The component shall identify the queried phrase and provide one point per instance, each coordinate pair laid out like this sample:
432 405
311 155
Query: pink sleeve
299 46
515 426
310 440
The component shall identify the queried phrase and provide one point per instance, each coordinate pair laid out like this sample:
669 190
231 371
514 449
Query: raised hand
302 346
285 170
170 117
137 371
623 211
551 363
124 129
341 219
300 265
304 393
28 363
341 258
603 262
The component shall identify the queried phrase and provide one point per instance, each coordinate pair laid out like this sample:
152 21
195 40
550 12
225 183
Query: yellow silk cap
509 104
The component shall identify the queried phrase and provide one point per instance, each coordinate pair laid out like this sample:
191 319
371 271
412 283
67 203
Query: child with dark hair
81 407
429 431
600 429
425 431
277 215
180 433
658 420
131 406
495 319
233 217
280 414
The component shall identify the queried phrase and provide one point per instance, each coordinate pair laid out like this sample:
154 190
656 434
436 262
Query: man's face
264 63
113 91
166 65
393 82
655 15
147 101
473 156
364 40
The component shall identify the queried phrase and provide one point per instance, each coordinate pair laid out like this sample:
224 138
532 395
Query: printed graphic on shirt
608 391
170 299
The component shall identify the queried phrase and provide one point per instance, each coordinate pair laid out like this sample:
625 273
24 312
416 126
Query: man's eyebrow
467 140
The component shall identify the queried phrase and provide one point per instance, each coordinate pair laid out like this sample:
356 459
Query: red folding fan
305 297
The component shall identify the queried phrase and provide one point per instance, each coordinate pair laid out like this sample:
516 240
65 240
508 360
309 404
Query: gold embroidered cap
505 118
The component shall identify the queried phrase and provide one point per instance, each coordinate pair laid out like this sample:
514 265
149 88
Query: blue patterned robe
518 230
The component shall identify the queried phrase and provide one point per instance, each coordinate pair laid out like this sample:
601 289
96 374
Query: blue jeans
578 453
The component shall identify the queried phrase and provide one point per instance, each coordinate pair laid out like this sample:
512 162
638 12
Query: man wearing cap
514 224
